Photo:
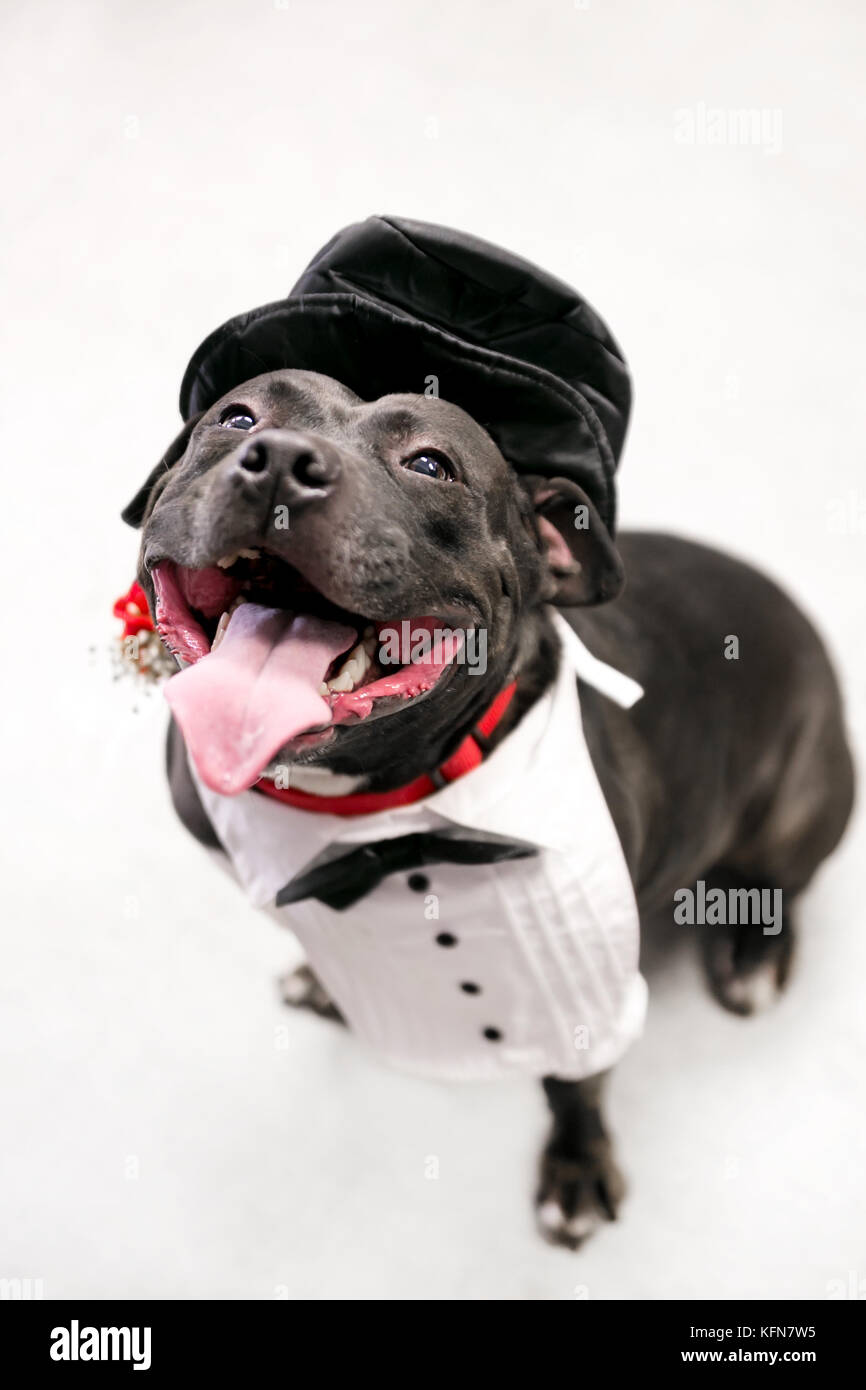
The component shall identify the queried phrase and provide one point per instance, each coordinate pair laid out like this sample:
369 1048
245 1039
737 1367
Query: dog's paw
575 1195
303 990
747 981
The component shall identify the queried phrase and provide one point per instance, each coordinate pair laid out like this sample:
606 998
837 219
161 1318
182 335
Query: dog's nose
304 469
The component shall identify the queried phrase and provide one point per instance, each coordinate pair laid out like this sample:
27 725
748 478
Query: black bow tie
338 883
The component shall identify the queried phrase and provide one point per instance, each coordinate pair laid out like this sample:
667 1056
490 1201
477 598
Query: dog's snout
300 466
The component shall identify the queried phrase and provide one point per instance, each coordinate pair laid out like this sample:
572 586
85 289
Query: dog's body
732 768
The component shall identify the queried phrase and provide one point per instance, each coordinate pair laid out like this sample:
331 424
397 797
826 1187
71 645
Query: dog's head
350 581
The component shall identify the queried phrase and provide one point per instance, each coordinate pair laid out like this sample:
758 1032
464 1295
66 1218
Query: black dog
733 771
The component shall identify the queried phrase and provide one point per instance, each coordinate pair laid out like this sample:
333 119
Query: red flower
133 609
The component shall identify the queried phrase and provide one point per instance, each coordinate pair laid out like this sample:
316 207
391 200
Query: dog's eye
430 464
235 417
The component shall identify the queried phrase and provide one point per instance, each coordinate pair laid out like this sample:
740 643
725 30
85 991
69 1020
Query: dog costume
528 966
519 953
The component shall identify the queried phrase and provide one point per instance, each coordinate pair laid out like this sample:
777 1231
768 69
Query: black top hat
391 305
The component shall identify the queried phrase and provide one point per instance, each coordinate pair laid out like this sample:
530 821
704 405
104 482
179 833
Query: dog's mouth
271 662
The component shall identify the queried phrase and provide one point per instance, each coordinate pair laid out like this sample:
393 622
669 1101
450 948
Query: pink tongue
238 705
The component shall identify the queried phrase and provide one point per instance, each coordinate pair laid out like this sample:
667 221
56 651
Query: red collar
468 755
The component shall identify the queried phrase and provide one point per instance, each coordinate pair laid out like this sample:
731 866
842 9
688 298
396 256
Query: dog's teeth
323 689
340 684
221 631
228 560
353 670
224 622
358 663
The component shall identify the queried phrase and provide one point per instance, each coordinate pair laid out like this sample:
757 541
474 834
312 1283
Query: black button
492 1035
419 883
469 988
446 939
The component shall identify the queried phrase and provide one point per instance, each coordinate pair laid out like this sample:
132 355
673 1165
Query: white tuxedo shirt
529 966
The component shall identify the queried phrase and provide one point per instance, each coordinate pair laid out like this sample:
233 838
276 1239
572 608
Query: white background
171 164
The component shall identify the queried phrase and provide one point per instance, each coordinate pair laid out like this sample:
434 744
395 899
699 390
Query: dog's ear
583 564
133 512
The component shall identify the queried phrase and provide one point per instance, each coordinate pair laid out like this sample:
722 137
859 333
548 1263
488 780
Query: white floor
169 1130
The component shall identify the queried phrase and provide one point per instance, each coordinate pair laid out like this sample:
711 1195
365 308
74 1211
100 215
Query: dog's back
738 748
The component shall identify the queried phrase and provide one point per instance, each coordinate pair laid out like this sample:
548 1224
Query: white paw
295 987
562 1229
300 989
751 994
576 1196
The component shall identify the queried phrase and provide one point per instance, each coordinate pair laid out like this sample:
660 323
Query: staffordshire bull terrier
288 526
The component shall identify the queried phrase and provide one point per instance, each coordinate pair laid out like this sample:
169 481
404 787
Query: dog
733 769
